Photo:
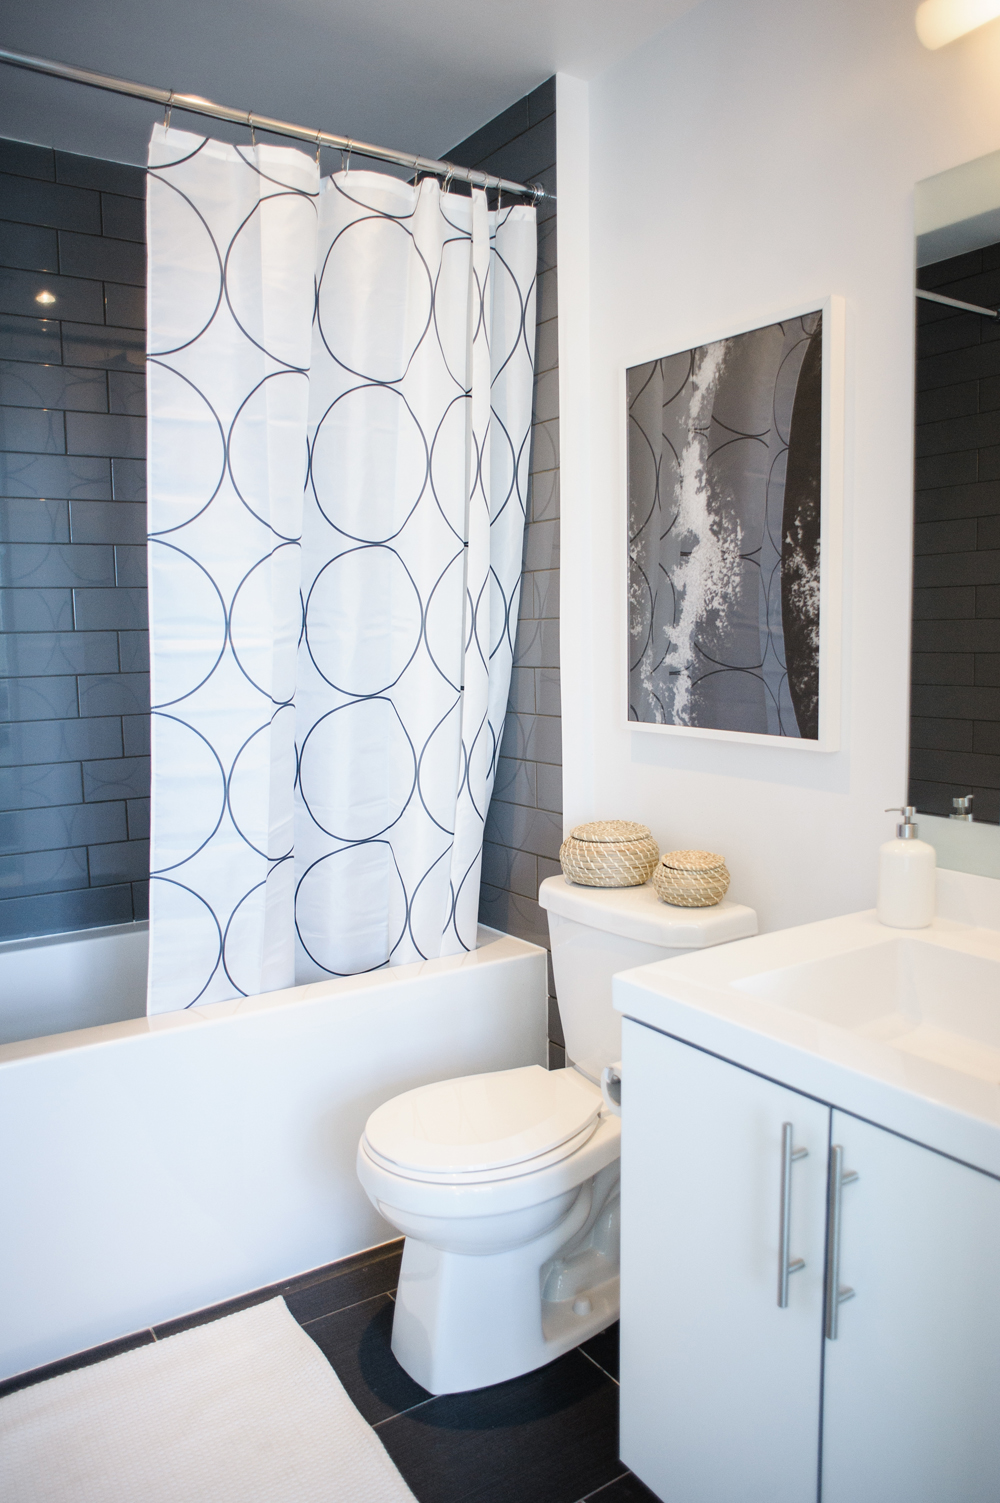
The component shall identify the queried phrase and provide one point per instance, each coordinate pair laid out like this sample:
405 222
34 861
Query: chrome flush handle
836 1292
786 1264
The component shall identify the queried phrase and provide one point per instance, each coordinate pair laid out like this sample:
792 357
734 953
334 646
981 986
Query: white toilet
506 1185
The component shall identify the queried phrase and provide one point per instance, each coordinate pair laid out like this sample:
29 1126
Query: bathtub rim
72 936
493 947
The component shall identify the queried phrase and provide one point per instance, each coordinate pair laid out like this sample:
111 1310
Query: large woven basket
609 853
691 879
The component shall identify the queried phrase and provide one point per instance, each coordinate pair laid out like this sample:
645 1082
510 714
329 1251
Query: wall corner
575 624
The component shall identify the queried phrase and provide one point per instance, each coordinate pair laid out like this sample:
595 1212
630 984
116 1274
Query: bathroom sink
901 1027
940 1004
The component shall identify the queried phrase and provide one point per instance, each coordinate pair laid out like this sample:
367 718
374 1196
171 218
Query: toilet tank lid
637 913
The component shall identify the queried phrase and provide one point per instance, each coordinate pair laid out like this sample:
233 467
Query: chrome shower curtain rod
954 302
198 106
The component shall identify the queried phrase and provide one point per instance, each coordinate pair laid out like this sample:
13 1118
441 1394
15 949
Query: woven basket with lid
691 879
609 853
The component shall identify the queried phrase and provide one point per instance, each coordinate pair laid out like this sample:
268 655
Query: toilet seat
486 1176
484 1127
475 1197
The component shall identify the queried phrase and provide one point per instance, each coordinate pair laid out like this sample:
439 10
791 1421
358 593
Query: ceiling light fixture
45 297
941 21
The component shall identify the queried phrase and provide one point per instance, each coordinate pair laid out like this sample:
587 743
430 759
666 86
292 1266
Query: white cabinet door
720 1389
911 1409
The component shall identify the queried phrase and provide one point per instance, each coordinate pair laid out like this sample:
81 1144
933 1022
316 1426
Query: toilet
505 1185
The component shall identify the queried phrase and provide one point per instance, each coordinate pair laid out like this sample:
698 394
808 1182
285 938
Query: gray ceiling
416 76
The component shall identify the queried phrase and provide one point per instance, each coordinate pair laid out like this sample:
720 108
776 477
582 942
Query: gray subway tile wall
74 686
73 643
35 339
52 386
524 825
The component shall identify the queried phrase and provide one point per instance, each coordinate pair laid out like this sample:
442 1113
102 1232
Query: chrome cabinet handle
836 1292
787 1265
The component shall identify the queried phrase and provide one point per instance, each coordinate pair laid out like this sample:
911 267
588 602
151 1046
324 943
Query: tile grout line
375 1425
605 1485
600 1369
211 1317
275 1291
342 1308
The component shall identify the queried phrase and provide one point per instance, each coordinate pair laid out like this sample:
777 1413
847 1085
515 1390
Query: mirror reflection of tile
724 455
955 690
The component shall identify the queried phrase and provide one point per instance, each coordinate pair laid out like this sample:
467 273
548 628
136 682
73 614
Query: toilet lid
481 1122
477 1177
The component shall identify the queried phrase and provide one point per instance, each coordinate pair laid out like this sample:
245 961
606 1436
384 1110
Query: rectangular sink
900 1027
937 1003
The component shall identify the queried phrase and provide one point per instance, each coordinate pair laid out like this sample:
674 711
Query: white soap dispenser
906 877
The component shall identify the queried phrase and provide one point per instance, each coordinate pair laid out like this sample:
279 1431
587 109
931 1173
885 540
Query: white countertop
713 999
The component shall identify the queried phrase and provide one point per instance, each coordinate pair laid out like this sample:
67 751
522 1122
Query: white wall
754 156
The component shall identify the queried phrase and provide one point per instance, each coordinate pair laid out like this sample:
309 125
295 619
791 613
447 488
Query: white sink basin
898 1026
938 1003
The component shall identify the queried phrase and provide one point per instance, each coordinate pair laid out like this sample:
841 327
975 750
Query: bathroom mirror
955 672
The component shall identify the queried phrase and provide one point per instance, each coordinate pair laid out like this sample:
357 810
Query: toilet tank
596 932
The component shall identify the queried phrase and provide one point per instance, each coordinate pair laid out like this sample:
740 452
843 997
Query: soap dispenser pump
906 868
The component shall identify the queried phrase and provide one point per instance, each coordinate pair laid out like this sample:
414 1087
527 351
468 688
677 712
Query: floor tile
603 1349
337 1291
627 1489
355 1342
333 1273
548 1437
70 1364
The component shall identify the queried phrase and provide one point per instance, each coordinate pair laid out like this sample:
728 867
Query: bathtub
66 982
152 1166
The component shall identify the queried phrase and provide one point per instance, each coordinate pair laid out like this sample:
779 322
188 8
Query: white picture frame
832 308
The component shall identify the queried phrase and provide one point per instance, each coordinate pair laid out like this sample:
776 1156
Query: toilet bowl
505 1185
488 1282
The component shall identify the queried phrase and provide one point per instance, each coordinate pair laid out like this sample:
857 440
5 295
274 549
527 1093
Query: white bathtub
155 1165
70 981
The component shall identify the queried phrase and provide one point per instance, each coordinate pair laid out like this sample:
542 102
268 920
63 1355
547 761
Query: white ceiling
418 75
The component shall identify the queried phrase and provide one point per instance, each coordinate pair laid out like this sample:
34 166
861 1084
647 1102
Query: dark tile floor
548 1437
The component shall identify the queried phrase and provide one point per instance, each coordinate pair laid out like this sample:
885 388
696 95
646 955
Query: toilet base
467 1320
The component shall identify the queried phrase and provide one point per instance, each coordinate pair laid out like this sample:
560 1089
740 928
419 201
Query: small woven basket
609 853
691 879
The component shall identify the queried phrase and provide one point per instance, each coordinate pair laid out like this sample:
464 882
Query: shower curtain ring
318 134
253 133
448 178
345 165
167 111
536 191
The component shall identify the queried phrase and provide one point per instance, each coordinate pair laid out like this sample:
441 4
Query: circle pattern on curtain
340 381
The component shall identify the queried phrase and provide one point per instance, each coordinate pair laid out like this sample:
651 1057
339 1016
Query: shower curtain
340 385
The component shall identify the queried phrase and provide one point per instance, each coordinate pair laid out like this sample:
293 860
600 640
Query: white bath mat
243 1410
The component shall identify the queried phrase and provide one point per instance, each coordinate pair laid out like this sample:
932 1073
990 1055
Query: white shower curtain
320 812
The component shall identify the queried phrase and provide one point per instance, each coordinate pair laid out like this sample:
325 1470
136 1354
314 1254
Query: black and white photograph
725 468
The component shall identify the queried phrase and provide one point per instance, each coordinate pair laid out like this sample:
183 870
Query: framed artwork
734 490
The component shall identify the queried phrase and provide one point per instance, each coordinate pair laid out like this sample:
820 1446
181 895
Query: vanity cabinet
720 1397
728 1396
911 1386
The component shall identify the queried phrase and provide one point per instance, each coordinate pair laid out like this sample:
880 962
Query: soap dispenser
906 868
